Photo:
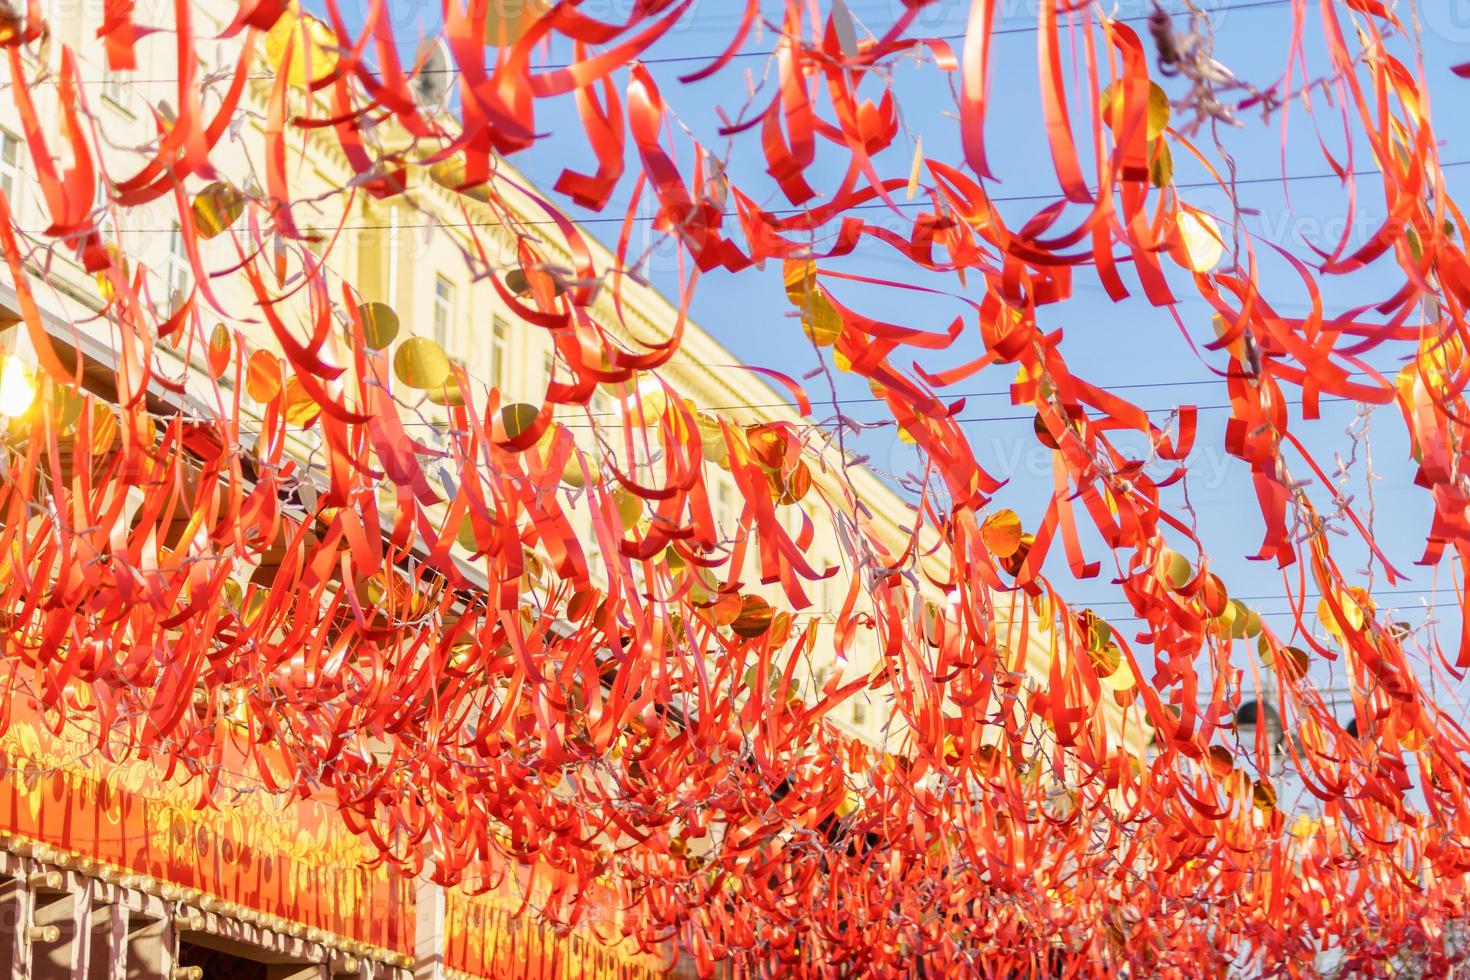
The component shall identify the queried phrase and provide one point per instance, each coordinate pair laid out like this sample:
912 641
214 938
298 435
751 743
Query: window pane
497 351
177 270
9 165
443 309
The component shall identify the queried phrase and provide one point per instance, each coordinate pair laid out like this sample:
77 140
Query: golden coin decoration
630 507
1017 559
518 282
1159 109
819 318
105 429
1201 245
451 393
791 488
1121 678
451 175
1213 595
647 405
1161 165
932 620
263 379
801 278
1294 662
726 609
66 403
767 445
115 260
822 324
1352 605
1099 633
1253 624
754 618
1174 569
421 363
217 207
308 43
712 438
507 21
516 418
1002 533
1105 659
379 325
1290 661
220 346
465 537
781 626
573 474
301 408
1043 432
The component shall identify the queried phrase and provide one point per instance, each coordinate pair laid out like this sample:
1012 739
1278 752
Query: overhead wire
866 206
711 56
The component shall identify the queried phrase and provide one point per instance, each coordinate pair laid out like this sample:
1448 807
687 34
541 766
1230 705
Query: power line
711 56
1151 411
1266 597
952 396
889 423
1031 29
870 205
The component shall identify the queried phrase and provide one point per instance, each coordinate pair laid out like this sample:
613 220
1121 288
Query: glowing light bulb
17 390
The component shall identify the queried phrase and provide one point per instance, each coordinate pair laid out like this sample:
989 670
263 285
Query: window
859 713
177 270
443 309
723 516
102 206
498 341
10 168
595 568
793 520
112 89
548 370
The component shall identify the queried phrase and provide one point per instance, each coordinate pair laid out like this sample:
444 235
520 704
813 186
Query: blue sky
1113 344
